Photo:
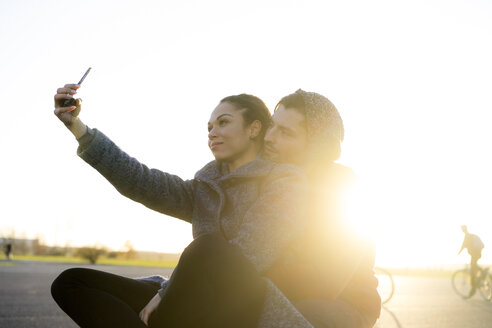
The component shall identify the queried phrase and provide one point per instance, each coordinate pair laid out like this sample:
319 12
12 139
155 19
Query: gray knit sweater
259 207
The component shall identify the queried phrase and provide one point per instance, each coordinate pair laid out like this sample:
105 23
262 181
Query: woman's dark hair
255 109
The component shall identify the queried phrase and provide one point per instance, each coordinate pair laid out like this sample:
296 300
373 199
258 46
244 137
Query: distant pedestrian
8 251
474 245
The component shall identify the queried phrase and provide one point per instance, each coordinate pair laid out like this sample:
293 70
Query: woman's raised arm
160 191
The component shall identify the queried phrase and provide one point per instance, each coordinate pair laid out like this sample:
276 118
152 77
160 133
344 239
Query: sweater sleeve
278 311
275 218
159 191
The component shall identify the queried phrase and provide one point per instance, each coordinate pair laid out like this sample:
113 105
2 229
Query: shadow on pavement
481 304
387 319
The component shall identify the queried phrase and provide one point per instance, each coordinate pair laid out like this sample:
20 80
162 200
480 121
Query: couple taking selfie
270 245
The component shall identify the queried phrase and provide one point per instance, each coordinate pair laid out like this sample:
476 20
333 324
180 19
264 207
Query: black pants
213 285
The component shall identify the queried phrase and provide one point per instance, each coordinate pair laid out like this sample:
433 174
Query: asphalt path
422 302
25 298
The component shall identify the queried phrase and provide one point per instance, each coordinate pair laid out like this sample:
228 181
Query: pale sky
411 79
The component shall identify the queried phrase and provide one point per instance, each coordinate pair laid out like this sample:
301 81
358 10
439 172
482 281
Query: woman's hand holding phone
67 108
66 113
66 104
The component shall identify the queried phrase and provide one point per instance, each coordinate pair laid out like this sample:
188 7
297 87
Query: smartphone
72 102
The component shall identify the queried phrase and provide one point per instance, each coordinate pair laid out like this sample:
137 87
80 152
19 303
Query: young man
474 245
328 272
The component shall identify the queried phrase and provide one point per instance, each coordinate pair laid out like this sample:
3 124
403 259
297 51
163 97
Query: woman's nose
211 134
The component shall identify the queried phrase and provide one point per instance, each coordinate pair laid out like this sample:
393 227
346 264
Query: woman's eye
223 122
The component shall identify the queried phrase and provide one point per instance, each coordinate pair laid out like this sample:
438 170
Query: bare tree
90 253
128 250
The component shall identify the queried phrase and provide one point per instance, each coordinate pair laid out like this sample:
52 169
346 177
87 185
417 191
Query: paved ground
25 299
432 303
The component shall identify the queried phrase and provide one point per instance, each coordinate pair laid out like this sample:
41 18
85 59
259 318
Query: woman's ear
255 129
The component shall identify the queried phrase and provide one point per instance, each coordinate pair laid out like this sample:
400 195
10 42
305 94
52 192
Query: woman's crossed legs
99 299
213 285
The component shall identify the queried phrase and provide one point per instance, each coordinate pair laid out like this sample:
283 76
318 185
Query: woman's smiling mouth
215 144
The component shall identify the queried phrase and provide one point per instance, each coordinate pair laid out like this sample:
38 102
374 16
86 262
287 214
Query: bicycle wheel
486 288
461 282
386 285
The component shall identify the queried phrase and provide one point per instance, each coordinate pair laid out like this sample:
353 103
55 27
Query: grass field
410 272
102 260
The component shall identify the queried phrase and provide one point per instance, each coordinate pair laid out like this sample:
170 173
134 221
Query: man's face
286 139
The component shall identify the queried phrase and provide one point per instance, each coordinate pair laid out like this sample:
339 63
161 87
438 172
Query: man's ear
255 129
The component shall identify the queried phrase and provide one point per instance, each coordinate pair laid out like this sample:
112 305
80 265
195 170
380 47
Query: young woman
247 208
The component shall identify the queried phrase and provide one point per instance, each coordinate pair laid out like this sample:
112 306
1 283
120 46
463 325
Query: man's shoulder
334 176
344 171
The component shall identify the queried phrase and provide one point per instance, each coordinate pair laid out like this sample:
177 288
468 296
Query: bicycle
461 282
386 285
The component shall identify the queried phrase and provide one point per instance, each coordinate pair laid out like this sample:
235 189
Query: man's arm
462 246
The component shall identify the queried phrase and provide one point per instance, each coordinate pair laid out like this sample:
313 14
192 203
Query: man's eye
287 133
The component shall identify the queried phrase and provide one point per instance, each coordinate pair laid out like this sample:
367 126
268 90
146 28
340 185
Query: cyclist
474 245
